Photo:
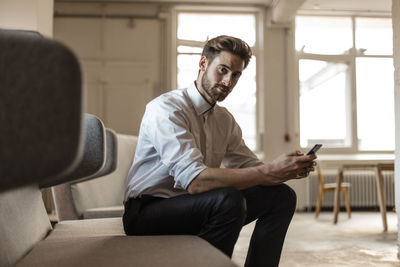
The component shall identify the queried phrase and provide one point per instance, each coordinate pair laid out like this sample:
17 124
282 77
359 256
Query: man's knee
288 195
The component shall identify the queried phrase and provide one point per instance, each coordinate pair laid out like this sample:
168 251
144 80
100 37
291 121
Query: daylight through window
194 29
346 96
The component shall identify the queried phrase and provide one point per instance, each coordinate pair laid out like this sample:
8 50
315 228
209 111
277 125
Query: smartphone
314 150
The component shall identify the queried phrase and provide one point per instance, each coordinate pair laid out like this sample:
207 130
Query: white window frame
351 90
257 51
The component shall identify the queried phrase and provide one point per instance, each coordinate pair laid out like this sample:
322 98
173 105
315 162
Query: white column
396 54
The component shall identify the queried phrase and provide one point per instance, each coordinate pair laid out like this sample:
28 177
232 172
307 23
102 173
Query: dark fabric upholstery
93 156
111 157
40 109
111 153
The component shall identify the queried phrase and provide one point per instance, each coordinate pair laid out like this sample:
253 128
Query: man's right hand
288 166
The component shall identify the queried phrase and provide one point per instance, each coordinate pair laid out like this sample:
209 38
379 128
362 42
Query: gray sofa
46 141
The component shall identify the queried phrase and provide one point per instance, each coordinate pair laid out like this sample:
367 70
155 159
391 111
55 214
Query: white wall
121 58
35 15
396 53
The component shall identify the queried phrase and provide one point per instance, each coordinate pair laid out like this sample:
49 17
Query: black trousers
218 216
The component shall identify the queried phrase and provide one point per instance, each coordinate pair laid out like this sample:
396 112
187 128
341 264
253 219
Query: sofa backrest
93 159
40 109
40 133
108 190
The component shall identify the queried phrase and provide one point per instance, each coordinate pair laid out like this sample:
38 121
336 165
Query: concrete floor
359 241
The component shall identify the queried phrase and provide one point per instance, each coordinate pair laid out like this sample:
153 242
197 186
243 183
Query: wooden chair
330 187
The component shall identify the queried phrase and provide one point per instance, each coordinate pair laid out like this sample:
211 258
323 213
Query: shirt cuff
186 176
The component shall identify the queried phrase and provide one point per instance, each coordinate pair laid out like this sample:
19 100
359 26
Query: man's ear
203 63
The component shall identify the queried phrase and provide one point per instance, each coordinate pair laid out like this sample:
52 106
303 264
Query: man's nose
227 81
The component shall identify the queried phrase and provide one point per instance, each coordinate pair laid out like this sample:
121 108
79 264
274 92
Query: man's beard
212 90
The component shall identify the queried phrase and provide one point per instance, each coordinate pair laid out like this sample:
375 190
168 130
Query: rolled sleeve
187 175
175 144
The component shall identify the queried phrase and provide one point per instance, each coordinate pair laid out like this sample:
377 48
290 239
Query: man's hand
285 167
294 165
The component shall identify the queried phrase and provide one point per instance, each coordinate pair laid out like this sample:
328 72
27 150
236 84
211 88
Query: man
176 185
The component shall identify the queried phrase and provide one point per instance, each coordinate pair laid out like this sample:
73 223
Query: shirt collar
199 103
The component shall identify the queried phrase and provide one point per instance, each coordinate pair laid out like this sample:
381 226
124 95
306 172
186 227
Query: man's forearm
211 178
283 168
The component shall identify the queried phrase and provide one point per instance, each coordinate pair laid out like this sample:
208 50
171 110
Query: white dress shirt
181 134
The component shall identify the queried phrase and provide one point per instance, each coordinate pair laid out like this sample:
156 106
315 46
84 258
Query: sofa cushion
108 190
102 242
116 250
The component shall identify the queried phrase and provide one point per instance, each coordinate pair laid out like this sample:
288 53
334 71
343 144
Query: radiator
363 191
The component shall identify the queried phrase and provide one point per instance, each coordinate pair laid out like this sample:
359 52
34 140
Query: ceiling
332 5
283 11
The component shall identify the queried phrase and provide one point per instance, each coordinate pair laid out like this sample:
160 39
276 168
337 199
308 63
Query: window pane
188 66
375 35
375 103
189 49
322 102
241 102
200 27
323 35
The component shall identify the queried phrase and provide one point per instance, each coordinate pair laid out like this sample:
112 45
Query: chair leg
347 201
319 203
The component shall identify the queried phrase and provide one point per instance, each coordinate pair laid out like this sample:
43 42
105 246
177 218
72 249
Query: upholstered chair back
40 133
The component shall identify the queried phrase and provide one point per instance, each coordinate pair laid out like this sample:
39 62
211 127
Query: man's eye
236 75
222 70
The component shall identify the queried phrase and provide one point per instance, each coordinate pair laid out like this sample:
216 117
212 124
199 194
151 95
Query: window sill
340 159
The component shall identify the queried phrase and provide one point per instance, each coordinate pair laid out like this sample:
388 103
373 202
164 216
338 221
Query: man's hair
230 44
